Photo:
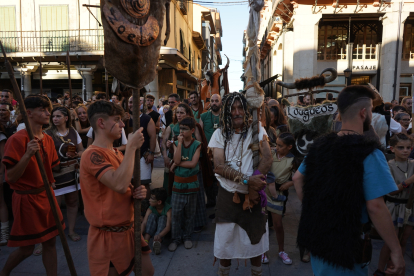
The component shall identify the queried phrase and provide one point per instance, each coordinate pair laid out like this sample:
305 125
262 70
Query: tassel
236 198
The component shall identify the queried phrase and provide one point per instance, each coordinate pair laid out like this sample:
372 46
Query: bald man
272 102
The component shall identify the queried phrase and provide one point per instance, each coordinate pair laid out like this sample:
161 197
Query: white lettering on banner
306 114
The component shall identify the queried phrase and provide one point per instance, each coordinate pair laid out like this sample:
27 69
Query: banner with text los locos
306 114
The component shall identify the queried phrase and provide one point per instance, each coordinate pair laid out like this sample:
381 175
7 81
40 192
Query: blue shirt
377 182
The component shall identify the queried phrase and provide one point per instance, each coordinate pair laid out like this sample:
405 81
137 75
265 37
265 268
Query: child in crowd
157 220
401 168
277 192
186 185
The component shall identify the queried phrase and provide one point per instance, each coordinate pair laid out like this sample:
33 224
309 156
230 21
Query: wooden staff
70 82
137 182
18 97
106 81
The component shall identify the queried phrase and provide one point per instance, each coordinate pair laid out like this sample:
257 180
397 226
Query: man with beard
195 107
5 112
341 184
209 122
241 228
173 101
149 101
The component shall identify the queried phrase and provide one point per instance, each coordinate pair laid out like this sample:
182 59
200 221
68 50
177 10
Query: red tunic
105 207
33 218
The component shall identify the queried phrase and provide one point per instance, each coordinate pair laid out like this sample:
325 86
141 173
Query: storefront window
360 80
408 41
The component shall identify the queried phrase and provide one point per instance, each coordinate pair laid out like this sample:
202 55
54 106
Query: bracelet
404 185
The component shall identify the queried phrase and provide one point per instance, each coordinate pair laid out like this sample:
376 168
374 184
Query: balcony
87 40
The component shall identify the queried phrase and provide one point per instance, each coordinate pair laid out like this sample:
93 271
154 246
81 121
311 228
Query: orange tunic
105 207
33 218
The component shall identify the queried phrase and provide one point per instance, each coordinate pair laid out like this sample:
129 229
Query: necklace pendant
239 163
215 126
406 176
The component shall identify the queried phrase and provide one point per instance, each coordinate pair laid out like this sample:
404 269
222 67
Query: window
8 29
183 45
54 25
333 39
408 40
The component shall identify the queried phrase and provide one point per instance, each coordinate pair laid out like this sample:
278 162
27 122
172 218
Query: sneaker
157 247
284 256
265 260
198 229
172 247
188 244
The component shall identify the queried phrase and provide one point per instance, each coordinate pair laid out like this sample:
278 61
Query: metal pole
19 98
137 182
70 82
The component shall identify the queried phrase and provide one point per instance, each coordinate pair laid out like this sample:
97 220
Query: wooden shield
132 61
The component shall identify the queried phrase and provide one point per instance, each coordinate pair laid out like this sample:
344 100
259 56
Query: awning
199 41
187 75
172 54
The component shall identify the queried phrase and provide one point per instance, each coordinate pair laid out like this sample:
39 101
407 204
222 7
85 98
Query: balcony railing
53 41
359 52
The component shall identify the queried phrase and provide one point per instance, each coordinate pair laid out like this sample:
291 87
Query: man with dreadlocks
241 229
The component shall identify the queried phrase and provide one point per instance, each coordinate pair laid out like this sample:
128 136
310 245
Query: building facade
375 40
44 30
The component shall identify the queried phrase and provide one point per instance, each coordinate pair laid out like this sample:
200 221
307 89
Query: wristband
404 184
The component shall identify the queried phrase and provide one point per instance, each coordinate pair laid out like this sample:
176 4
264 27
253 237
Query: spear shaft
137 182
19 98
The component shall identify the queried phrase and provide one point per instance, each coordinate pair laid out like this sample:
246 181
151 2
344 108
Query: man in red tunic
33 218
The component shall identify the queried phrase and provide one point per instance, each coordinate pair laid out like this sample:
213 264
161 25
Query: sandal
75 237
38 250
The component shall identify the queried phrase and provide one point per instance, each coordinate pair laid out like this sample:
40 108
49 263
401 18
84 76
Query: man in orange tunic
105 179
33 218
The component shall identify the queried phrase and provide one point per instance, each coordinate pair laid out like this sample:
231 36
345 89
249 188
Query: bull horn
332 77
287 85
227 64
205 68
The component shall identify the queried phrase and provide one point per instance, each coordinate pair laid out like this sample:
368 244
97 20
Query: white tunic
231 241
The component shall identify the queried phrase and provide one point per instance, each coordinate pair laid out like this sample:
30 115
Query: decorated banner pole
70 82
50 196
136 112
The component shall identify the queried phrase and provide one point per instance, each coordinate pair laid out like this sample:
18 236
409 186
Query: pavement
199 260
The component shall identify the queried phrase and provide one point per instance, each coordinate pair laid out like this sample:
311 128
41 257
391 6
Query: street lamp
348 74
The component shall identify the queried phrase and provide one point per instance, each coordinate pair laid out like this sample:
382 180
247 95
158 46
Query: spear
70 82
137 182
18 97
41 82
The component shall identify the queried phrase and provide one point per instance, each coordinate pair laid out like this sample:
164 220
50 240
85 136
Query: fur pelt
330 224
309 83
131 64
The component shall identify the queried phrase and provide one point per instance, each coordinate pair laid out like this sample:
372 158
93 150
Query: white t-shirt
123 136
233 152
395 127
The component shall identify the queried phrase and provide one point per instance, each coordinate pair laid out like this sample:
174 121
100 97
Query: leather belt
116 228
68 163
189 179
396 200
30 192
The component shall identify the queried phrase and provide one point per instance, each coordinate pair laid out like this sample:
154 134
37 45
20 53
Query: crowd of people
88 150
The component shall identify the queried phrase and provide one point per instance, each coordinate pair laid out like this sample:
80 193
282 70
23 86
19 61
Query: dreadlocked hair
225 118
